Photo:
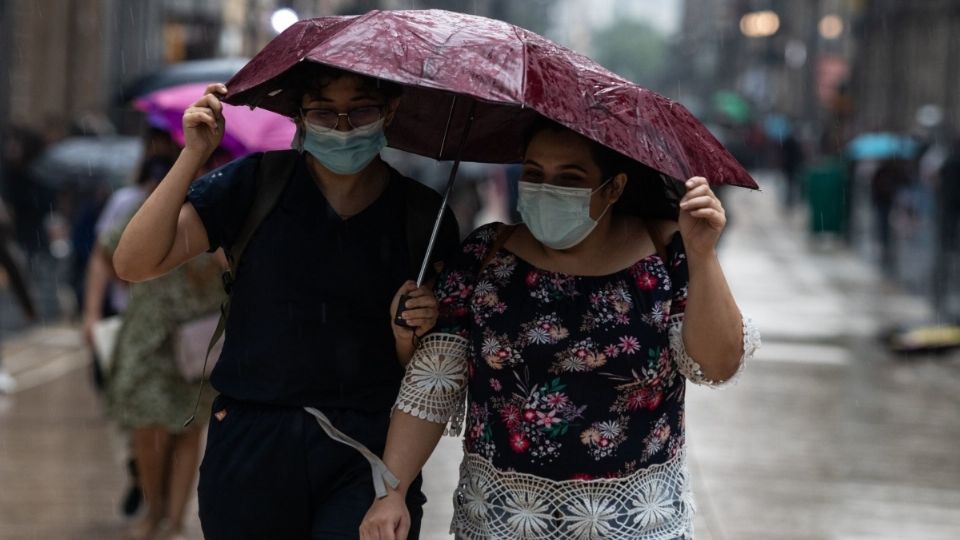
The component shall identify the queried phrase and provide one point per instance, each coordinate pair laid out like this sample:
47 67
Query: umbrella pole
450 181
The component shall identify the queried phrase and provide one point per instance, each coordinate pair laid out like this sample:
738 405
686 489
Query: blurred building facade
62 59
908 57
790 64
841 66
66 59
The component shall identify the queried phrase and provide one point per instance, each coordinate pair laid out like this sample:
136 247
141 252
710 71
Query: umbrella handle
398 317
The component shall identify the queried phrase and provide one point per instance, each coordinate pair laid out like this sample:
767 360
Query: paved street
825 437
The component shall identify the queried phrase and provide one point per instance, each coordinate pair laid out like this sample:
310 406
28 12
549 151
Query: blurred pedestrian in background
948 237
105 295
890 177
791 161
15 280
28 199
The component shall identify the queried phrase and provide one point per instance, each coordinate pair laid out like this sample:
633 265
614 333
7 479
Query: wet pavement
825 436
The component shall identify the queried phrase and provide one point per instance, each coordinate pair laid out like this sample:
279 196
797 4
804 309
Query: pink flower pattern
570 376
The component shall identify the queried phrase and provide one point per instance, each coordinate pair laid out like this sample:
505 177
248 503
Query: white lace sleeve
435 384
692 370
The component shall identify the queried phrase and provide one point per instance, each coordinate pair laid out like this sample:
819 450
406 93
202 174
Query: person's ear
616 187
392 105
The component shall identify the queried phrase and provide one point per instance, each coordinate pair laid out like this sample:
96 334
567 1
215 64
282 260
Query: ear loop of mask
605 210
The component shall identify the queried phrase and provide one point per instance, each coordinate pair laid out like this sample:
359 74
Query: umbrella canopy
89 161
247 130
509 74
192 71
881 146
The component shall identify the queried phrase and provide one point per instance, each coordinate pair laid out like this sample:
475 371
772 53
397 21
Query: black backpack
273 174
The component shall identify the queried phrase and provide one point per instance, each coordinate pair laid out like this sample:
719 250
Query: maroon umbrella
511 73
482 82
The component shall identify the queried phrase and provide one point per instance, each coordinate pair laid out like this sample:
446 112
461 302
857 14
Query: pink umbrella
247 131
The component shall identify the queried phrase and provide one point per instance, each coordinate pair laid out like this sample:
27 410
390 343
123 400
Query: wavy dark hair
648 193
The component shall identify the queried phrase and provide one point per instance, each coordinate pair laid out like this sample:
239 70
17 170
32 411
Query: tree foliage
633 49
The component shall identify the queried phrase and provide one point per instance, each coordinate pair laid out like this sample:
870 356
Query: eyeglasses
330 119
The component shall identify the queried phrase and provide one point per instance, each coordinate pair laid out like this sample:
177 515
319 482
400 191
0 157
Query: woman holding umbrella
572 335
310 365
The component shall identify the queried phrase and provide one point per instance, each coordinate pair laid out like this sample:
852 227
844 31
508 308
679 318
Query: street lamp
282 19
760 24
831 26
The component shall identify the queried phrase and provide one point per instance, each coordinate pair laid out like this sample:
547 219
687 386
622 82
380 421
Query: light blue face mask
559 217
343 152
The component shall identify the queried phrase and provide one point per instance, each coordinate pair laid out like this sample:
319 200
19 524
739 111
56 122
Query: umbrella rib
350 22
523 81
446 130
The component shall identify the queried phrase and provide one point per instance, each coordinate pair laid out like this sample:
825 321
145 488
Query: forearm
149 237
712 323
405 348
99 273
410 441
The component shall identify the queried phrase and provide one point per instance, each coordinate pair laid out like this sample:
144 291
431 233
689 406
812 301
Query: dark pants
270 472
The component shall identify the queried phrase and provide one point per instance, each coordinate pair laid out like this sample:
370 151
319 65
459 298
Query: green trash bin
826 186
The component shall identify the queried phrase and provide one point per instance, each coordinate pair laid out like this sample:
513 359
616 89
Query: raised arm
166 232
715 337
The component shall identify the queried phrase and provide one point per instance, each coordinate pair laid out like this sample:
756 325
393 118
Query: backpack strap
272 176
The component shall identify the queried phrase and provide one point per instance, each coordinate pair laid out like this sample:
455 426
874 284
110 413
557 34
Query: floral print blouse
571 376
574 395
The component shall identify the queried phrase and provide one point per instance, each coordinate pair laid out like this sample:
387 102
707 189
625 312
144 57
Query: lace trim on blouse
654 503
692 370
434 387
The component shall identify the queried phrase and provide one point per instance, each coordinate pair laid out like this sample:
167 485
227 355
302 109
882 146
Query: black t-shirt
309 320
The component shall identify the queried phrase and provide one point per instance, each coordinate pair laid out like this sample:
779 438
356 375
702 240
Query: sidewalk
826 436
61 463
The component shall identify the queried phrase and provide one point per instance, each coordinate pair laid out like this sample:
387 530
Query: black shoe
134 497
131 501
